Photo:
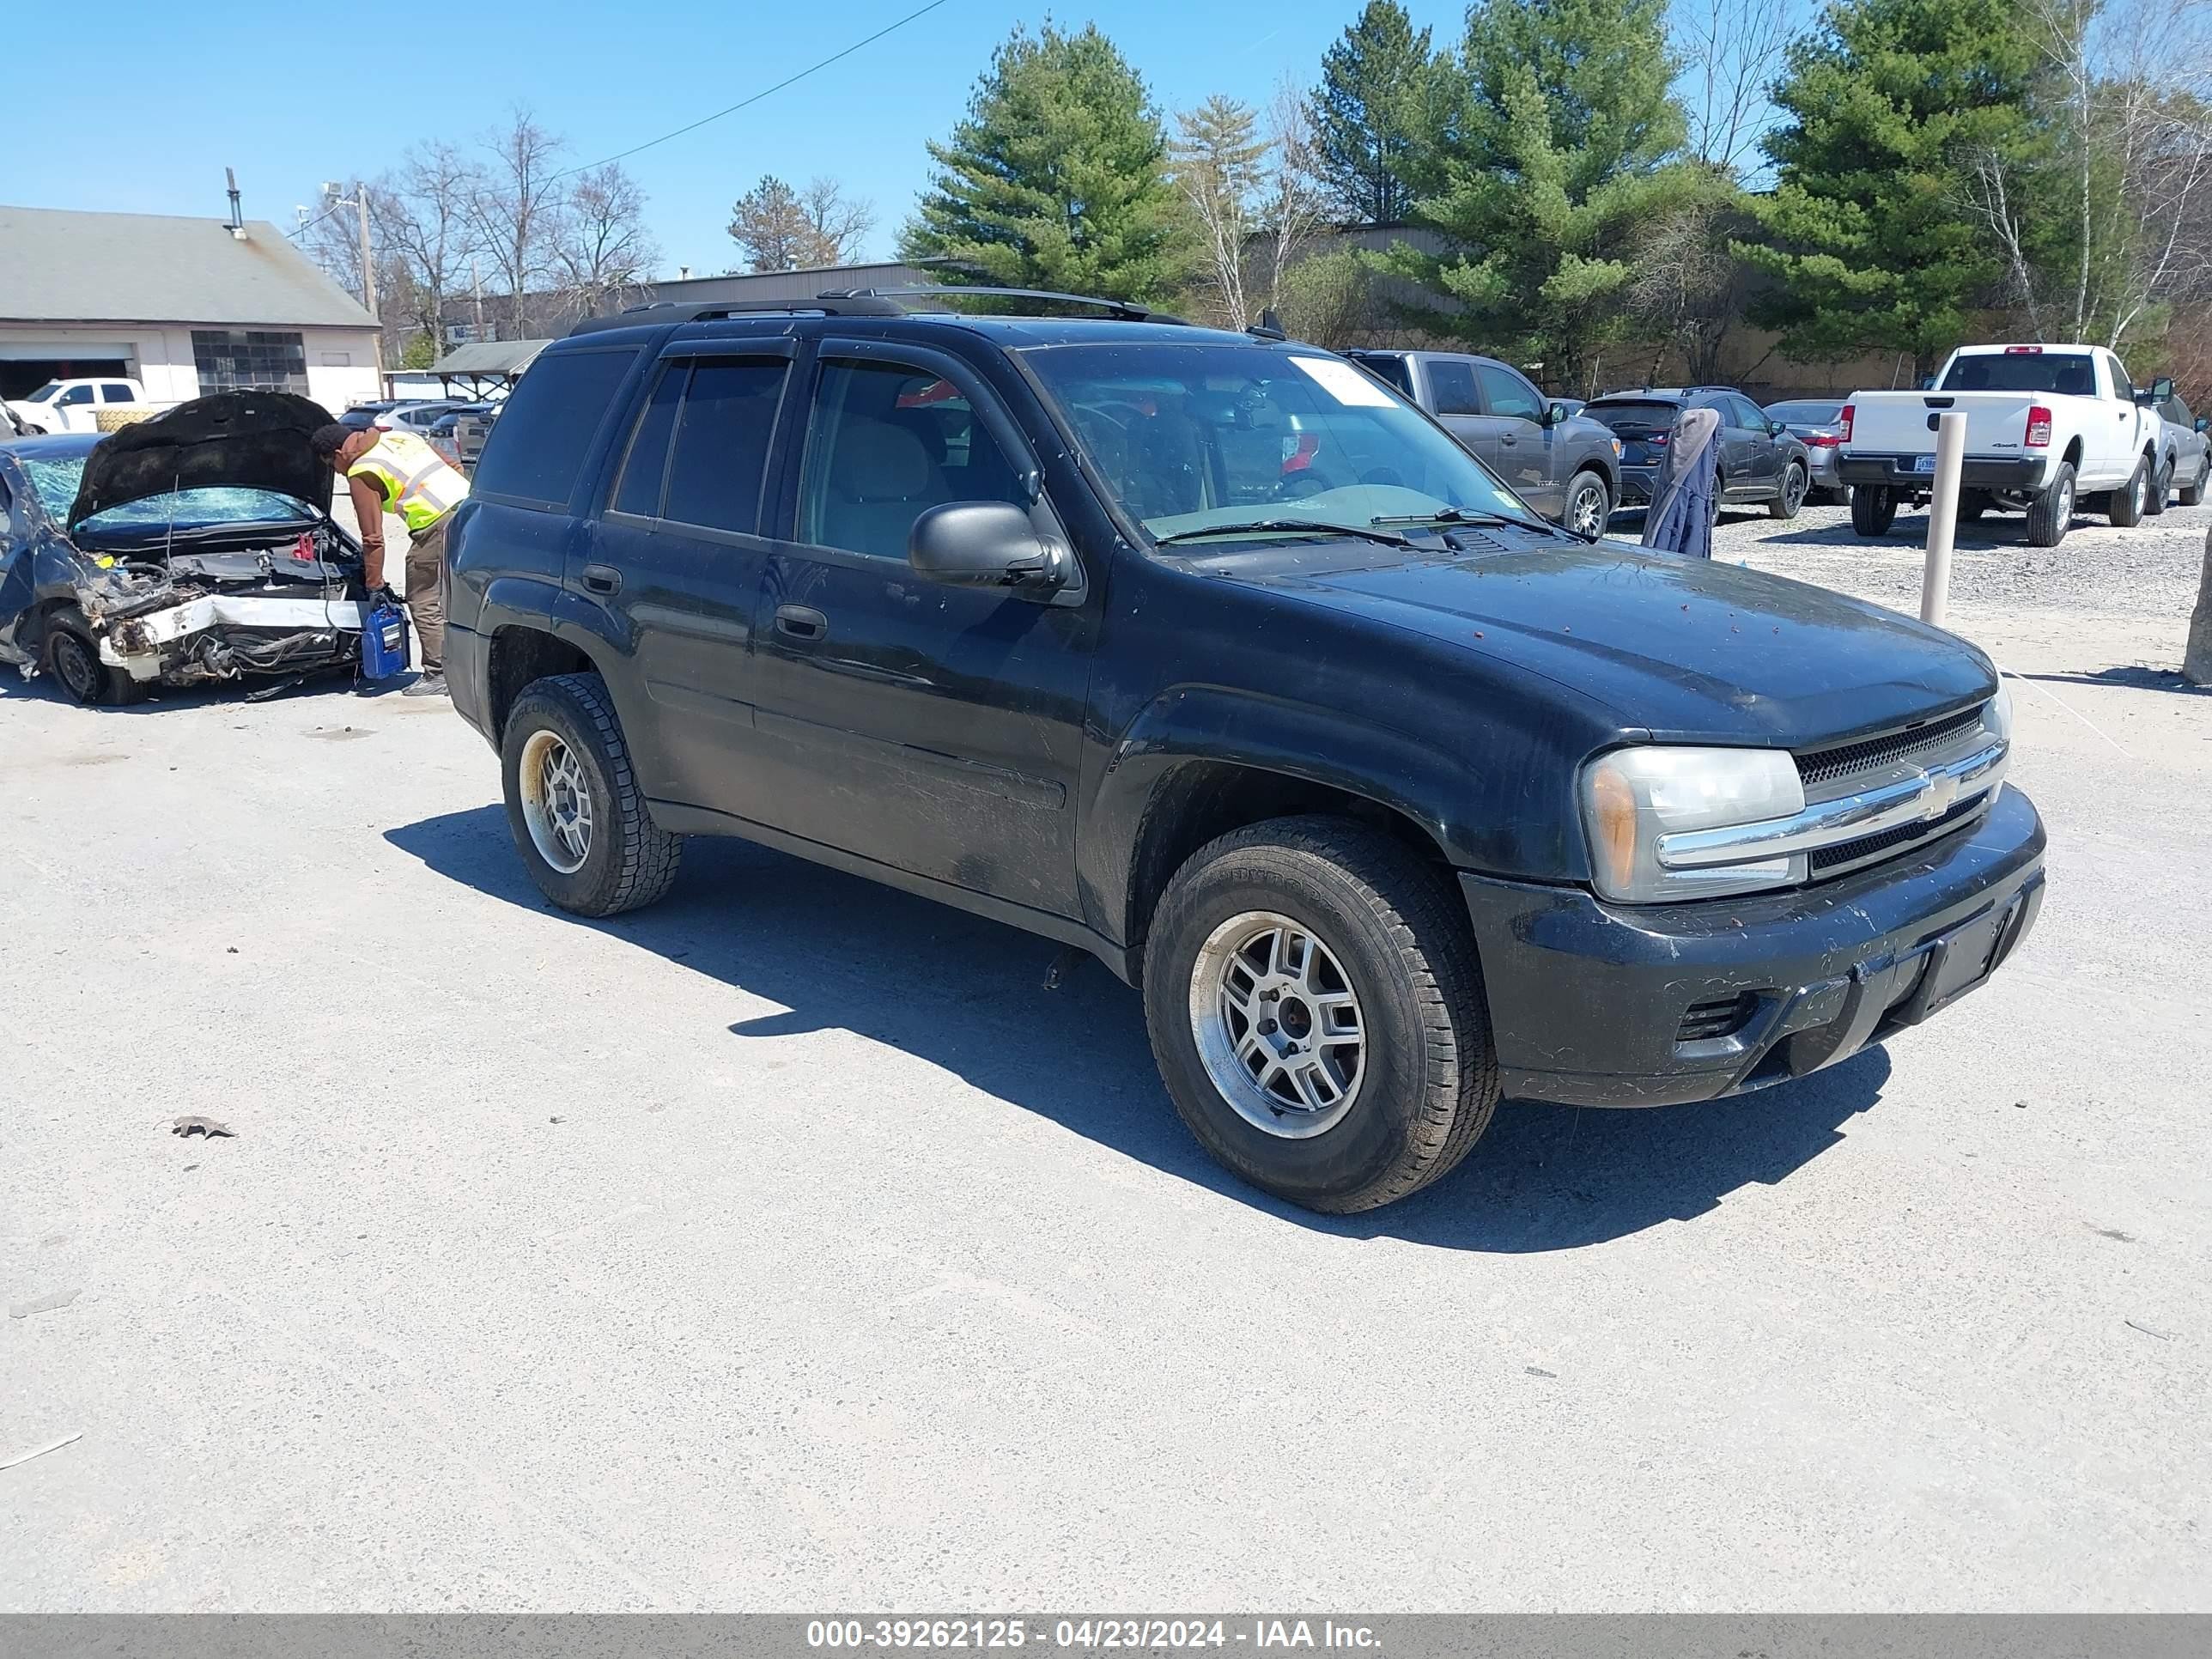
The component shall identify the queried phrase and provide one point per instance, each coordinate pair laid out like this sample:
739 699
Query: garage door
22 375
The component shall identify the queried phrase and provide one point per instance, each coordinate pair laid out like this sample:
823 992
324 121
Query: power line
743 103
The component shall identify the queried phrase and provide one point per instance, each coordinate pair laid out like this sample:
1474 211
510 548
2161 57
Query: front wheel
73 658
1874 509
1792 496
1318 1014
1589 505
2161 486
2125 506
573 805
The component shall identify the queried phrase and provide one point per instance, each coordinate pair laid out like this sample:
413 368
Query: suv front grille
1866 849
1873 754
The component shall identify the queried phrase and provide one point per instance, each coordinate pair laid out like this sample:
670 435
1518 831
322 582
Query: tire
2193 495
72 657
1713 511
1423 1078
1792 495
1874 509
564 731
2161 486
2124 507
2051 513
1587 499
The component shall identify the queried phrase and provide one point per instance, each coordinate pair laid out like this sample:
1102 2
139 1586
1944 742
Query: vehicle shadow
2135 676
839 953
161 699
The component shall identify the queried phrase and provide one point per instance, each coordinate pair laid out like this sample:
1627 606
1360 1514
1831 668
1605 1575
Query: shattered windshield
56 480
1189 437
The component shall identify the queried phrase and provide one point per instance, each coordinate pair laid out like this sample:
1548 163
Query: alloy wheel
1278 1025
556 802
1586 513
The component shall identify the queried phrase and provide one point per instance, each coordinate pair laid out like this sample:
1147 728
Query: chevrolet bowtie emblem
1942 791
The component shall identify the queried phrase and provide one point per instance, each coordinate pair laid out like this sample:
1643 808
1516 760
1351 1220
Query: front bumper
2022 474
1591 1002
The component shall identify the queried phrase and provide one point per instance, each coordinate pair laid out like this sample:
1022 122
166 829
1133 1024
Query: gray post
2197 657
1942 518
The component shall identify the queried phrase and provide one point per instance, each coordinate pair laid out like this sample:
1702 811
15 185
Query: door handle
602 579
801 622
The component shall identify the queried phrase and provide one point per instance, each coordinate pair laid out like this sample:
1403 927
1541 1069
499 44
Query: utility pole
475 282
368 264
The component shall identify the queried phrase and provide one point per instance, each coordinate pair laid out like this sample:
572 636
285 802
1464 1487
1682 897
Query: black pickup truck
1209 653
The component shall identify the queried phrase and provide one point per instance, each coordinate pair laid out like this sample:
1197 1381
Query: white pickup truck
73 405
2046 427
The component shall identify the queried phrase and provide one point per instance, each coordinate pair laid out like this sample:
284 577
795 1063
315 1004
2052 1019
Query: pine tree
1558 154
1057 177
1373 115
1886 108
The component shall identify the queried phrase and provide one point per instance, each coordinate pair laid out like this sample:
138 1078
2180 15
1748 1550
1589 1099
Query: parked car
418 418
363 417
1761 462
1568 469
1816 423
1214 656
2047 427
114 580
73 405
469 432
2184 461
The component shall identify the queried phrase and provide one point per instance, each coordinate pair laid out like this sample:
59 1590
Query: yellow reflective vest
418 484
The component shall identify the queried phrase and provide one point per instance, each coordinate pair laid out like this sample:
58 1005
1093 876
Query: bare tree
1688 290
513 204
839 225
1293 207
420 220
1216 155
1731 53
780 229
601 252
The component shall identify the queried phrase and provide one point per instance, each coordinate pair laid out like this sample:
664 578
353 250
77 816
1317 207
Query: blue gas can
383 641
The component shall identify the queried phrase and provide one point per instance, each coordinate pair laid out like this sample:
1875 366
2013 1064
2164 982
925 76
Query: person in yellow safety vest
397 473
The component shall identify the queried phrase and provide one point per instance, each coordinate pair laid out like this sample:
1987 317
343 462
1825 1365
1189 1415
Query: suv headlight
1997 713
1631 796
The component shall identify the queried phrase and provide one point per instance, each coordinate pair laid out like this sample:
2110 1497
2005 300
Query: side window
646 461
2123 387
1507 393
74 396
1748 415
114 392
1453 384
719 452
884 444
539 443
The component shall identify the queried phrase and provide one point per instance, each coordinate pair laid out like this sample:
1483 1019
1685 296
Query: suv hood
1686 649
249 440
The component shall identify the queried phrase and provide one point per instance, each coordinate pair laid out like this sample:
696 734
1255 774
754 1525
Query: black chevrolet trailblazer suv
1210 655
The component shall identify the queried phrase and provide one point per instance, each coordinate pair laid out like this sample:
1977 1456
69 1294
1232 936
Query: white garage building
186 307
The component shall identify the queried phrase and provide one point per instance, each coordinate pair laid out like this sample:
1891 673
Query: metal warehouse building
186 307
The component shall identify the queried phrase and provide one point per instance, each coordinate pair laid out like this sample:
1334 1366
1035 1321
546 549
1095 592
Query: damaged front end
200 616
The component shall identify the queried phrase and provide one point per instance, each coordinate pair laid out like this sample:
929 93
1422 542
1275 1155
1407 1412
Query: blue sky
138 107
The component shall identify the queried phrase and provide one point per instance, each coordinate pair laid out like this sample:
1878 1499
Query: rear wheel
1792 496
2192 495
573 805
1874 509
73 658
2051 514
1589 505
2125 505
1318 1015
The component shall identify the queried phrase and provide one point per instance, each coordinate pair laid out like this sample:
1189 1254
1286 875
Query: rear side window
645 463
1508 393
720 449
1391 371
1454 384
111 392
534 453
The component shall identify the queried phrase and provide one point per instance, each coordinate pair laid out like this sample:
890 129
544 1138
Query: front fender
1484 806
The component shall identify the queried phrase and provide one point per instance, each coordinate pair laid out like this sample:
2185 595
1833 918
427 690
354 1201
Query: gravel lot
790 1246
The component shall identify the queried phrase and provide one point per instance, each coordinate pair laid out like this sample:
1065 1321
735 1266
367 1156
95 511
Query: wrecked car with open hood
194 548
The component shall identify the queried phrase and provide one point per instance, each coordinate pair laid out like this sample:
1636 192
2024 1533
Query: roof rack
1125 311
855 302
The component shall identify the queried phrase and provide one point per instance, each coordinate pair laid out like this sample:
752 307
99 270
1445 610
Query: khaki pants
425 596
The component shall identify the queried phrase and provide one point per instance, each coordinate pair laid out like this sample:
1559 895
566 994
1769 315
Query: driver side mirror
2204 422
2161 389
985 544
1555 414
1928 383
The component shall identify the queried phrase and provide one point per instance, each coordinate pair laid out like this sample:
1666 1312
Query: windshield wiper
1461 515
1292 527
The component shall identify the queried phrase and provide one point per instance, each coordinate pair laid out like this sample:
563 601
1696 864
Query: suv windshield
1191 436
45 393
2068 374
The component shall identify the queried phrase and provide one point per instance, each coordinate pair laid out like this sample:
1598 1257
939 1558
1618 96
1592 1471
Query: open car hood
234 440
